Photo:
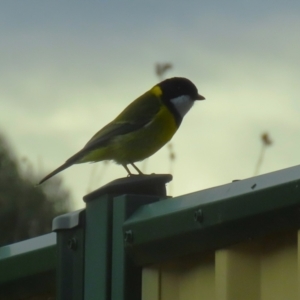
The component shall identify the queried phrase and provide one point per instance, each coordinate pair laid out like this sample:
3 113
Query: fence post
91 262
108 273
70 255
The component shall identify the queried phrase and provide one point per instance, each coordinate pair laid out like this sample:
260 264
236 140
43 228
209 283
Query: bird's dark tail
75 159
66 165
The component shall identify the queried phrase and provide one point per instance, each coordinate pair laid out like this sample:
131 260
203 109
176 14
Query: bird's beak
199 97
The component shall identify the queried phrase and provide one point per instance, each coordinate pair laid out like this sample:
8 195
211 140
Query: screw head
198 216
72 243
128 237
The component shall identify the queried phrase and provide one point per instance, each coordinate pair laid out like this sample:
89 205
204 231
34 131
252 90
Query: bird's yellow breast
145 142
139 144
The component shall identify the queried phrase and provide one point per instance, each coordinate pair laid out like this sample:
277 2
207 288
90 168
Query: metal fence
236 241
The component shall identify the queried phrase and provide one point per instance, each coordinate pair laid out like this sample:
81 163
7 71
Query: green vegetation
26 211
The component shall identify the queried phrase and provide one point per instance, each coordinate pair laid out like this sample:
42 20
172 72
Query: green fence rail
99 252
28 268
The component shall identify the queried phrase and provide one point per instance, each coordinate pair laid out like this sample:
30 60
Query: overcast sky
69 67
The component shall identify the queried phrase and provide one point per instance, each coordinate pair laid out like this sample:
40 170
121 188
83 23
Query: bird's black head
178 86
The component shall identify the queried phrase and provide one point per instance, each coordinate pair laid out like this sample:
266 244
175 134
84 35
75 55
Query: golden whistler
141 129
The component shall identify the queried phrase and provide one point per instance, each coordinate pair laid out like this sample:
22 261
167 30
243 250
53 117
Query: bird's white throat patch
182 104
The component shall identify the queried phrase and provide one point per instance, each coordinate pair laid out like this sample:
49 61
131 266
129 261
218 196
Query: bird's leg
128 171
137 169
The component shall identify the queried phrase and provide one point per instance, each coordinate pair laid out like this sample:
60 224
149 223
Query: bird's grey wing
136 115
110 131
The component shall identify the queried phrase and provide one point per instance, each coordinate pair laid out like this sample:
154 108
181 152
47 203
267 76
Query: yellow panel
170 282
151 283
238 272
263 269
198 279
279 267
188 278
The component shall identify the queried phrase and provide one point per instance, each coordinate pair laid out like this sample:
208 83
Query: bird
141 129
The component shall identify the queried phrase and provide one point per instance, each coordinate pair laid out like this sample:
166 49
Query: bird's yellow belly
145 142
139 144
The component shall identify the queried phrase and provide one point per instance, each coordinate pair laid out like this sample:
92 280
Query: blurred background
68 68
